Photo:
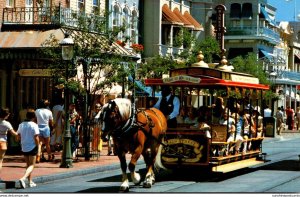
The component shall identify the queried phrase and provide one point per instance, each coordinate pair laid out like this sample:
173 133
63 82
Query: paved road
280 174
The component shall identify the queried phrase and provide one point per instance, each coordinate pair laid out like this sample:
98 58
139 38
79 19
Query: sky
286 9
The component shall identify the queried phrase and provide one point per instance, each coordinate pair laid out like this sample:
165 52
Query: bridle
112 112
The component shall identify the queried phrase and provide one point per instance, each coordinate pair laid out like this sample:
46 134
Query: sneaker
22 183
32 184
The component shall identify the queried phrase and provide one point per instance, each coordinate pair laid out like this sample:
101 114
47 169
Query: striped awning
168 17
16 44
185 21
196 24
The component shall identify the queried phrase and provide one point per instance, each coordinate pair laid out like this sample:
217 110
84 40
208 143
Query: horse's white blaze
136 178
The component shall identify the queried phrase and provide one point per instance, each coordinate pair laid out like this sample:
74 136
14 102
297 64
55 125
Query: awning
189 17
169 17
185 21
28 39
265 15
268 55
35 39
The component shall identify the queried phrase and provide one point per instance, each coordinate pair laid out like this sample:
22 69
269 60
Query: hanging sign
35 72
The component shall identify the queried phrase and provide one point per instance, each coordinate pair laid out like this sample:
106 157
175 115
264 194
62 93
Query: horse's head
113 115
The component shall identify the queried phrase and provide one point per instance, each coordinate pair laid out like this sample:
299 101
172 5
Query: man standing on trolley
169 105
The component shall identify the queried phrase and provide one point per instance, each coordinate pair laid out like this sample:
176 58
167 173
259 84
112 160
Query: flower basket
137 48
121 43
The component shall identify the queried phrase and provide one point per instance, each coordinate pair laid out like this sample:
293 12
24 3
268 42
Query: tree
249 64
99 60
159 65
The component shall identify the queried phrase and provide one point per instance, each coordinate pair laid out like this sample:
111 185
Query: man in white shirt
169 105
267 112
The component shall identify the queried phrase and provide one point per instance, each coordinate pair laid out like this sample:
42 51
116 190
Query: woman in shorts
28 131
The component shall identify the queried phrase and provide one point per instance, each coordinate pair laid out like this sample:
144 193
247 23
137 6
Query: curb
64 175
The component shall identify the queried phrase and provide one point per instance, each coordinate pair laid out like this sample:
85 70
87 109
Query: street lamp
67 45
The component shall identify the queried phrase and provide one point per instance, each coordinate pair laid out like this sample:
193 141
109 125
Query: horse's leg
149 158
125 182
136 178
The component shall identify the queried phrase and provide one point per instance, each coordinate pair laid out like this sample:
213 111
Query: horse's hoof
136 179
124 189
147 185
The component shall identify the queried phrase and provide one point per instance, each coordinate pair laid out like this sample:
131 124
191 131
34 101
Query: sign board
35 72
240 78
182 78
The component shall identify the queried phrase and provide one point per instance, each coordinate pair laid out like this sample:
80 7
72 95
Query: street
280 174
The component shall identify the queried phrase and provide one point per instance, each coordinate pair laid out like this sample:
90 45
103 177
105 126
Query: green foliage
95 58
209 47
157 66
250 65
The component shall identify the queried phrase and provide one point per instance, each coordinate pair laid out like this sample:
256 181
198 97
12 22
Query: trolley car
187 146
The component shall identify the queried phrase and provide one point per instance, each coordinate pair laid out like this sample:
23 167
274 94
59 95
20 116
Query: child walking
28 131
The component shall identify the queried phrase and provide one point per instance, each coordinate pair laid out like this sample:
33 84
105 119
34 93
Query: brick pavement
14 168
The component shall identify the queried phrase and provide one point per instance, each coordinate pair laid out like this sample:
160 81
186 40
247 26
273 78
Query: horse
138 132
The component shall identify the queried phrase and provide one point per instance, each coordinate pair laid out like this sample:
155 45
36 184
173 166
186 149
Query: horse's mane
124 106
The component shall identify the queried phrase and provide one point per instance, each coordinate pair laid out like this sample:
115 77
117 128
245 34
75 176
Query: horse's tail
158 164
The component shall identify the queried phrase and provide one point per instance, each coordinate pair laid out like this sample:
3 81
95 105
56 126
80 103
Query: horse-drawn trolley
227 131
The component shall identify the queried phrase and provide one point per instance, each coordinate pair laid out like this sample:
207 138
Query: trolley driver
169 105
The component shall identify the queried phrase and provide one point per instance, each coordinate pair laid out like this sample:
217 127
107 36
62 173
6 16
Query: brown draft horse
136 132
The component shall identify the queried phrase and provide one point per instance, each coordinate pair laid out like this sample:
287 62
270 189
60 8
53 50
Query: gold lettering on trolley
181 78
196 149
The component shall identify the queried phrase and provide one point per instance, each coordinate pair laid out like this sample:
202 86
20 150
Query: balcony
165 50
260 33
22 18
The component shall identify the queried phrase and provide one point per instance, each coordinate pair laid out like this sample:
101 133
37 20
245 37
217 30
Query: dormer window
247 11
235 10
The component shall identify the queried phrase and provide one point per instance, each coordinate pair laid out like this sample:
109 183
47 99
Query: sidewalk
14 168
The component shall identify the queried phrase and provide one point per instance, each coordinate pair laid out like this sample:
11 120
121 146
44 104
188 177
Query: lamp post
67 45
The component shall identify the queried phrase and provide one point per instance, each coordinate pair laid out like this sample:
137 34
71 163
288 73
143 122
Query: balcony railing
52 16
259 32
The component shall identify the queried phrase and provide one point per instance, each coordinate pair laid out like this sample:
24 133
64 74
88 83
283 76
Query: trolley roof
208 78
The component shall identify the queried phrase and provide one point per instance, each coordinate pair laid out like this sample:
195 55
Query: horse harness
132 125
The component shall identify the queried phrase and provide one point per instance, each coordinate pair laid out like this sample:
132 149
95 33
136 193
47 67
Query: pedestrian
28 132
96 138
289 117
169 104
74 123
267 112
22 112
44 118
5 127
58 125
279 121
298 118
